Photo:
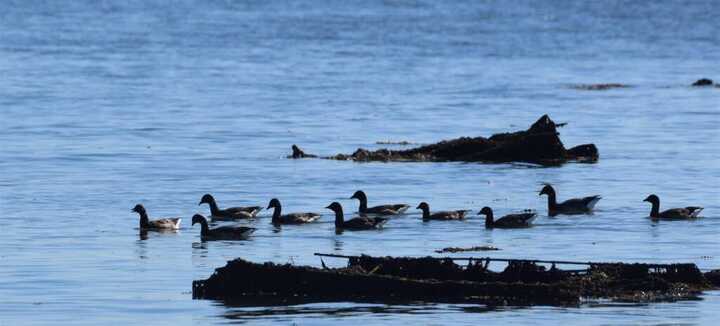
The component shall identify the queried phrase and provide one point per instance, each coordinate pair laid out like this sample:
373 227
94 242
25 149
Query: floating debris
598 87
390 142
703 82
298 153
458 249
540 144
713 277
429 279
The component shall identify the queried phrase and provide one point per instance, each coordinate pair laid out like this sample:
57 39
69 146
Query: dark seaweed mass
703 82
388 279
539 144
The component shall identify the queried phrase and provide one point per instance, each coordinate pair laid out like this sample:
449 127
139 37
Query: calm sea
106 104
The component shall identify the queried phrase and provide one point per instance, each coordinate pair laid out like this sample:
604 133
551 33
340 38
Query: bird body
160 224
357 223
442 215
221 233
510 221
690 212
231 213
582 205
389 209
291 218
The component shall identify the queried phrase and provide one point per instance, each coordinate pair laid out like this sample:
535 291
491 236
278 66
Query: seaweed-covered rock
539 144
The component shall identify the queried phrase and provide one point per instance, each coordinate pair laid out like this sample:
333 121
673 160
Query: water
105 105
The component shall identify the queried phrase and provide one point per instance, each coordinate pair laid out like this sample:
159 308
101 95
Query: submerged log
540 144
389 279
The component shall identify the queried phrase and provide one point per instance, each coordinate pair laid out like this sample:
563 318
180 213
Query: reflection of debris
458 249
598 87
539 144
430 279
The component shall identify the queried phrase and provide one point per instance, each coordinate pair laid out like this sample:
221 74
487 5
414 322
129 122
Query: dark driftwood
539 144
388 279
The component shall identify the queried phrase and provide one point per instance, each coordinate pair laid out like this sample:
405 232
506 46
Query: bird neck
552 201
363 204
655 211
489 219
276 213
144 219
426 213
339 218
214 210
204 229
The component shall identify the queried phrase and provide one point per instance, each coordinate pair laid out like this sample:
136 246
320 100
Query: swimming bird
689 212
390 209
221 233
292 218
228 213
159 224
510 221
357 223
443 215
570 206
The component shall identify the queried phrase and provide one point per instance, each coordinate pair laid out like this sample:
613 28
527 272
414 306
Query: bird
357 223
571 206
510 221
228 213
689 212
390 209
159 224
443 215
292 218
221 233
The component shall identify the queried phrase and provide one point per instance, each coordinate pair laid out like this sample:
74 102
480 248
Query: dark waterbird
221 233
231 213
357 223
159 224
689 212
389 209
510 221
571 206
442 215
291 218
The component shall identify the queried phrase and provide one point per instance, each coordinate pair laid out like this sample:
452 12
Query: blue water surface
106 104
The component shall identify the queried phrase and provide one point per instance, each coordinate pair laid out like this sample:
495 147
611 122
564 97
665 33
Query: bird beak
200 203
328 206
417 207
